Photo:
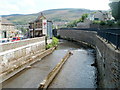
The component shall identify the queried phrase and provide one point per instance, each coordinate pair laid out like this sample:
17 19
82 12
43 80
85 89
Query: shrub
48 46
118 22
96 22
58 36
110 23
53 43
102 23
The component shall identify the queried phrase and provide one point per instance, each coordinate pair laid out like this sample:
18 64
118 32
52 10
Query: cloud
17 6
115 0
34 6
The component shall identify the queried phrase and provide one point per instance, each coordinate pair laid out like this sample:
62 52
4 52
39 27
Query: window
96 18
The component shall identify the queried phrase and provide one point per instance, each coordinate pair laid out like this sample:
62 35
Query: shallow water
77 72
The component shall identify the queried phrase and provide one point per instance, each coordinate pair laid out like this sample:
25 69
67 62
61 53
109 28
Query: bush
102 23
99 22
118 22
48 46
110 23
75 22
96 22
53 43
58 36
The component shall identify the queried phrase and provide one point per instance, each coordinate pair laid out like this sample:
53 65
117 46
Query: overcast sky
115 0
35 6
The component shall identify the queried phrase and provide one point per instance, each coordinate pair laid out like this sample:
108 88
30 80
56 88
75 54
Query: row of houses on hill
100 15
97 16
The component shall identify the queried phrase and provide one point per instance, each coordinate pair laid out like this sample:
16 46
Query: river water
77 72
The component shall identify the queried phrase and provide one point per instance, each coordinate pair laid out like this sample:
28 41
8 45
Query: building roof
5 21
38 18
41 17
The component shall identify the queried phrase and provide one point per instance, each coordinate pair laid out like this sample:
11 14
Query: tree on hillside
75 22
84 16
115 7
23 30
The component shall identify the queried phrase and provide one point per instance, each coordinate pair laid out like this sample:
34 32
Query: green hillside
56 15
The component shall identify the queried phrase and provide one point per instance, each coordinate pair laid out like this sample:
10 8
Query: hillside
56 15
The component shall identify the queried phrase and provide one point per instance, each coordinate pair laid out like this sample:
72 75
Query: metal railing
110 37
84 29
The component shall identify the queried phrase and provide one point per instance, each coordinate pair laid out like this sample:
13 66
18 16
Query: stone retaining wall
16 44
108 59
20 57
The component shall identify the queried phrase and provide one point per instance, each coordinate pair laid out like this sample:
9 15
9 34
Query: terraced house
38 27
41 26
7 29
100 15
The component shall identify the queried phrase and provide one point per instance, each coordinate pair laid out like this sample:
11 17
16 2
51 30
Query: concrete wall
10 57
108 59
104 26
13 45
17 58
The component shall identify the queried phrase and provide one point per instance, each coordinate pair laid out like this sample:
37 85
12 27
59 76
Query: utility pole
46 42
33 30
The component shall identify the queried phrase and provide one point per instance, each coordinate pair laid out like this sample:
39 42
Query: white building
44 26
49 29
7 29
100 15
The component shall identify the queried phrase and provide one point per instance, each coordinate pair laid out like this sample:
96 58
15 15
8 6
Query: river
77 71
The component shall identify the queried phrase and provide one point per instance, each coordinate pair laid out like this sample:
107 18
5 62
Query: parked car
4 40
17 38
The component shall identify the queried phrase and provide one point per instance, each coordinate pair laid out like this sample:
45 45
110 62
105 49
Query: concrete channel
76 73
54 72
34 75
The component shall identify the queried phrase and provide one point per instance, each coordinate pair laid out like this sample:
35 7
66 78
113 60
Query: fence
110 36
85 29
